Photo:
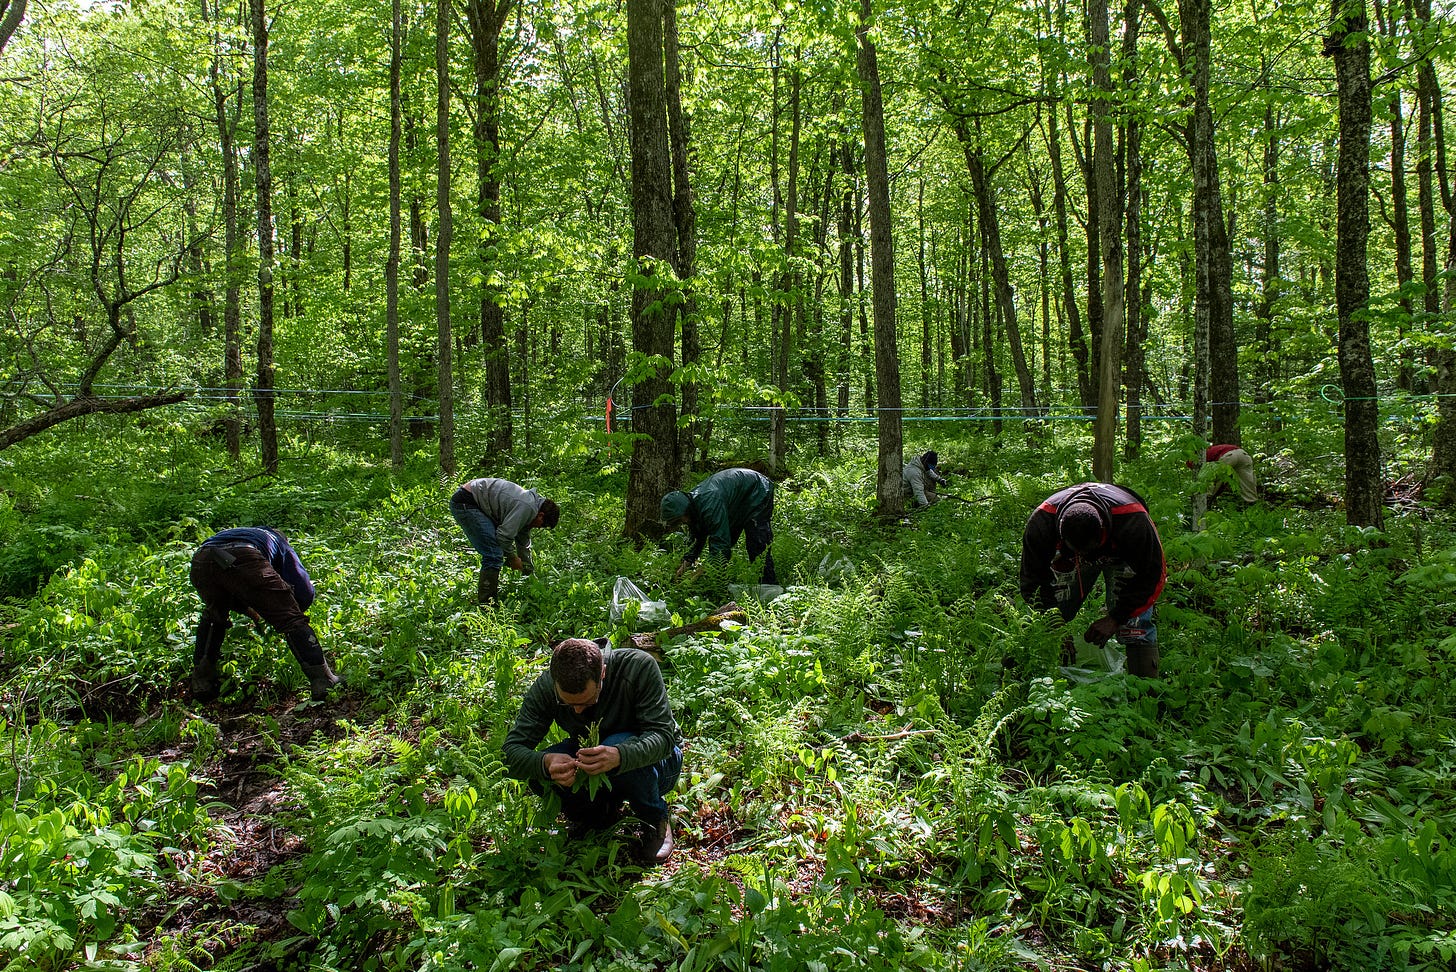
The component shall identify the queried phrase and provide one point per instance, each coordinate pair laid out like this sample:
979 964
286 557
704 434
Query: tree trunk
1109 229
263 180
12 12
847 296
1213 302
391 266
444 341
1350 47
1000 271
789 306
485 19
654 237
1075 337
1133 378
1272 284
882 268
685 220
232 313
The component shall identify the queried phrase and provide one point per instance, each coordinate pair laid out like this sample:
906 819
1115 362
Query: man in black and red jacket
1094 528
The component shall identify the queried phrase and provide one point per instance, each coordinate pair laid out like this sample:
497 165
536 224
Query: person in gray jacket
497 516
919 477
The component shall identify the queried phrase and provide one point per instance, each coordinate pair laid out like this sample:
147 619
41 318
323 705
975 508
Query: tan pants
1243 466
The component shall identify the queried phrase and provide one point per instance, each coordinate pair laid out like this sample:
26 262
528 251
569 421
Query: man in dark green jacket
722 506
618 696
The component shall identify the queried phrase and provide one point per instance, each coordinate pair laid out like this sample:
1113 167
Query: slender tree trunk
790 307
445 379
232 313
867 345
1433 148
654 238
685 220
1001 278
263 180
1109 226
882 257
486 19
1075 336
847 296
391 267
1272 283
1350 46
1133 378
1214 298
923 275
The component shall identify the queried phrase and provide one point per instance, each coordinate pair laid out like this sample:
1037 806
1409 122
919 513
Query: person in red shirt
1092 528
1242 465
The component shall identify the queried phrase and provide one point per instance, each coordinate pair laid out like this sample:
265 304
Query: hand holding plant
595 761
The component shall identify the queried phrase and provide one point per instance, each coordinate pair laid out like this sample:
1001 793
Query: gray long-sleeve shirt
633 699
914 476
510 507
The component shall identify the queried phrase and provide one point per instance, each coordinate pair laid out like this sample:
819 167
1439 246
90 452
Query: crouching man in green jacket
726 504
618 697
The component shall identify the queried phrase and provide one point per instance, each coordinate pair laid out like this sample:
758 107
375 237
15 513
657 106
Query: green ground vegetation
885 768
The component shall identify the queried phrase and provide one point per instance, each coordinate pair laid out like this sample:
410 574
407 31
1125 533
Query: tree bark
443 238
654 237
1213 302
1272 284
1109 228
486 19
1133 378
391 266
232 313
1000 270
1349 44
847 296
263 179
1075 335
882 269
685 221
12 12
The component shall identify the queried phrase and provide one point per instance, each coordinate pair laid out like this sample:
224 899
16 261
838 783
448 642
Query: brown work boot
657 842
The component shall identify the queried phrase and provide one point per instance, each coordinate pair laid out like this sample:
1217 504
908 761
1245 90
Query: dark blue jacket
280 554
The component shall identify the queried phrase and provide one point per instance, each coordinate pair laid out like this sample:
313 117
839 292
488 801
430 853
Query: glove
1101 630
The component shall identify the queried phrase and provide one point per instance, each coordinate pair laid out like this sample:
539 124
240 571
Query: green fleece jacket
722 505
633 699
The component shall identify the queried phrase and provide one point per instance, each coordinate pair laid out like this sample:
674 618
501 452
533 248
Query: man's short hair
550 513
574 663
1081 526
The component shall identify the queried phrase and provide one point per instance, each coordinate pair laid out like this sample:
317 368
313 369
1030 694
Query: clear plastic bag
625 592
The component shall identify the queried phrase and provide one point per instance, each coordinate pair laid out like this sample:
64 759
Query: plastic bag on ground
761 592
648 611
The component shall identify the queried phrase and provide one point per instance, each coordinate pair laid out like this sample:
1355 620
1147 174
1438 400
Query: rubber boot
321 680
206 679
488 588
1142 660
770 575
310 654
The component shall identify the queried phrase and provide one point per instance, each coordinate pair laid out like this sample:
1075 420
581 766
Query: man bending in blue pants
620 692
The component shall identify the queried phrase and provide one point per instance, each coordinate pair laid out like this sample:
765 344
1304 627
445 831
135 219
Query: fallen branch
859 737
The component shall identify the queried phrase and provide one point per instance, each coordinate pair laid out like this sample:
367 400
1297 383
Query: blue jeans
644 788
479 529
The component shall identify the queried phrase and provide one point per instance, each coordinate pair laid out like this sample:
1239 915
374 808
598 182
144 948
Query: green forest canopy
128 127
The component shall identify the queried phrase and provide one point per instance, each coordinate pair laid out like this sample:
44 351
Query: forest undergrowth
886 767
